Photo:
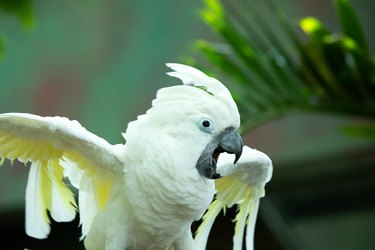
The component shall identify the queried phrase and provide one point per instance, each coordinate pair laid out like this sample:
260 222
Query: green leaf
224 63
277 59
307 71
21 8
360 131
213 14
242 48
274 71
2 47
342 65
352 66
314 28
326 60
350 22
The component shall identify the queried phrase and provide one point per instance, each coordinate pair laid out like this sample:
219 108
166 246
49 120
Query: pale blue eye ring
205 125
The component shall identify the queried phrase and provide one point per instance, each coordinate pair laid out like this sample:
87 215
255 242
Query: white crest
193 77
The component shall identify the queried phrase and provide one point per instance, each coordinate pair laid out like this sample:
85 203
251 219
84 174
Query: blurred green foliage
20 8
277 67
2 47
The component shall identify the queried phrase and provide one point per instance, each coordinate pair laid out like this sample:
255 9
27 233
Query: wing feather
63 206
204 229
37 224
88 203
52 145
242 184
250 229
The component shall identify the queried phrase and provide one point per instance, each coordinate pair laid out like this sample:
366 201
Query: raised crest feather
193 77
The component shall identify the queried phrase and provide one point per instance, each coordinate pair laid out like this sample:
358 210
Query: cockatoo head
197 120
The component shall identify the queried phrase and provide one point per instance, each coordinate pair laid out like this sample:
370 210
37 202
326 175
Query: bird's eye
205 125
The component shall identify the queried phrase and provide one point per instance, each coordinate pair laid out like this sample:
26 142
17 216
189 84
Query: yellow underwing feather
48 142
103 188
250 224
25 149
208 219
242 184
37 222
45 188
102 182
240 224
63 207
246 216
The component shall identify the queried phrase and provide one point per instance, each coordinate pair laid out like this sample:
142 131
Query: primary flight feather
145 193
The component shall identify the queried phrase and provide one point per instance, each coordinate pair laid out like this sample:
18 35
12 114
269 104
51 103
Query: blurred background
101 63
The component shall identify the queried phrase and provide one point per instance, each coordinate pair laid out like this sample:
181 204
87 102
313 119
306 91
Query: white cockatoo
145 193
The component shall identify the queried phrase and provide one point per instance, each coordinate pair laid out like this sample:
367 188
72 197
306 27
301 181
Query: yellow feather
82 163
4 137
240 223
208 219
45 187
45 142
65 193
7 148
102 184
27 152
212 212
230 190
102 191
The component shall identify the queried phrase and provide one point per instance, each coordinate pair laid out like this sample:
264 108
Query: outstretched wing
242 184
58 147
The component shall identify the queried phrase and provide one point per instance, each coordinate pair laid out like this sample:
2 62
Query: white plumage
143 194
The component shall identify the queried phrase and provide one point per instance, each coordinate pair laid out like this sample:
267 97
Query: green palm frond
275 67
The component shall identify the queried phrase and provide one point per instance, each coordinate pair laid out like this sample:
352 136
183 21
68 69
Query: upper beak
228 141
231 142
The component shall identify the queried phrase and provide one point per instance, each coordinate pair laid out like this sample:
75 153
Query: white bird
145 193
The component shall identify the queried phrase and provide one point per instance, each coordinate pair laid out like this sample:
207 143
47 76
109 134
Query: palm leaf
350 23
272 74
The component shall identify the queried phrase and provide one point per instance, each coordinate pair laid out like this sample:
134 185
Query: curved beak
231 142
228 141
